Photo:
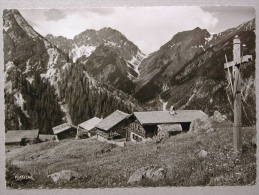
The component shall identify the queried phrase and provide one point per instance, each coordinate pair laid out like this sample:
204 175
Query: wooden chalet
113 126
147 124
64 131
21 137
88 127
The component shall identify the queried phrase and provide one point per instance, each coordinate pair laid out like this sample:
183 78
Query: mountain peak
107 29
195 33
197 29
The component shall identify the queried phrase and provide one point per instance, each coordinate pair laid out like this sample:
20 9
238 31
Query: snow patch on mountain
19 122
30 79
171 46
52 74
208 39
84 50
164 104
130 76
28 67
91 79
8 87
66 66
64 108
112 44
53 57
201 46
198 46
9 65
7 25
136 60
19 101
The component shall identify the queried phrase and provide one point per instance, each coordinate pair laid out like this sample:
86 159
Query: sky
148 27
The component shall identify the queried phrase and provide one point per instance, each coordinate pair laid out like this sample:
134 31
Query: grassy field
105 165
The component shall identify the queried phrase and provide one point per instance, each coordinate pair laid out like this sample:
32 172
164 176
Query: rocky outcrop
202 154
201 125
218 117
64 176
153 173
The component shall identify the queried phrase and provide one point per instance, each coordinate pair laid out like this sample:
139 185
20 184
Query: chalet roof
112 120
15 136
61 128
164 117
90 124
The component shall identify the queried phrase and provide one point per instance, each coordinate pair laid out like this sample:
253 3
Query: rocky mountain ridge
106 49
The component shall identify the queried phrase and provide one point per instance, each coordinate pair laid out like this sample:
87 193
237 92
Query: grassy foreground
105 165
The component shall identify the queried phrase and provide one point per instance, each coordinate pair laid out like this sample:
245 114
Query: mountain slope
159 66
208 88
199 81
107 50
85 43
43 87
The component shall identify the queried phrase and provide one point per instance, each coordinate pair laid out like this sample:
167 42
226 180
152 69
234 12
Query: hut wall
70 133
83 133
13 143
102 133
136 128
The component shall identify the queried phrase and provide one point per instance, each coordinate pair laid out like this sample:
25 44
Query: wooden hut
146 124
21 137
64 131
87 128
113 126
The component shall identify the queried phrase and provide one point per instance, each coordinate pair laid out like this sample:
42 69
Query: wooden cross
238 60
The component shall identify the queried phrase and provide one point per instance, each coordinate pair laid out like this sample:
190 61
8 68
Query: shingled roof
90 124
15 136
164 117
60 128
112 120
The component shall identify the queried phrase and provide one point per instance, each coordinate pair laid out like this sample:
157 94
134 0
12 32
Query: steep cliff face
107 66
43 86
201 83
31 64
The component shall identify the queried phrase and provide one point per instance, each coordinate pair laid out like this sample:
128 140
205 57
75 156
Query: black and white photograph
129 97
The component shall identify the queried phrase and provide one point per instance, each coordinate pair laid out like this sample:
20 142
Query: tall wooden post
235 65
237 137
